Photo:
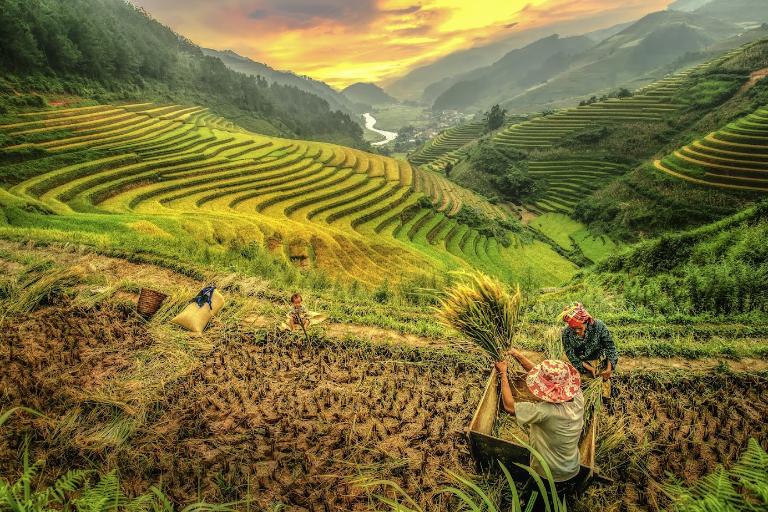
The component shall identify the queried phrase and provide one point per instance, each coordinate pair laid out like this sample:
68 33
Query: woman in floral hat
555 421
589 346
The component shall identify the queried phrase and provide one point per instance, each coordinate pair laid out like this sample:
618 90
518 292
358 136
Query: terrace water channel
370 123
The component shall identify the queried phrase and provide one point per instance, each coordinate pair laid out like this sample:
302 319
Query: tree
516 184
624 93
489 160
494 118
448 169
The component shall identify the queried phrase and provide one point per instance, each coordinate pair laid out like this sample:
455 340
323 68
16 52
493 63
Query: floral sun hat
553 381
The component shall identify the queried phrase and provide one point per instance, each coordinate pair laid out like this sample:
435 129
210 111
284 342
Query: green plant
473 497
742 488
482 309
80 490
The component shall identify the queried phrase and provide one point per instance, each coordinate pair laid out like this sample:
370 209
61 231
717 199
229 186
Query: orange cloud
346 41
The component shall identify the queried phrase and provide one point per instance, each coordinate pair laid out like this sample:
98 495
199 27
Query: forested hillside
647 200
119 52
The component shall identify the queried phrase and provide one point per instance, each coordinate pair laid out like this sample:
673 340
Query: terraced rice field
734 157
569 234
567 181
650 104
447 141
186 173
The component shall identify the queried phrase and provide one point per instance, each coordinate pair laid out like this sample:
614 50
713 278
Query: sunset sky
346 41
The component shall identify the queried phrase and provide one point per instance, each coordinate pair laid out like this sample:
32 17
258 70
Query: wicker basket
149 302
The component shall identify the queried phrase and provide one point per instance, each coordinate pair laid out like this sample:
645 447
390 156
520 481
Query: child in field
298 315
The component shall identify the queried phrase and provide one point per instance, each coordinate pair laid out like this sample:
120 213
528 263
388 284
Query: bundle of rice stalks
42 286
593 400
482 309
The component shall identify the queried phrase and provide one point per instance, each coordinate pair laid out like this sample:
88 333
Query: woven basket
149 302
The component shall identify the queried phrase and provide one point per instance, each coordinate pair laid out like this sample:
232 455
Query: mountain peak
367 93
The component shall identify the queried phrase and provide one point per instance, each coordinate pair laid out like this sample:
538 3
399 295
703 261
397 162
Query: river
370 122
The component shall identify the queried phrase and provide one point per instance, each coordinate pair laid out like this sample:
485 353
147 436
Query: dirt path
115 270
753 79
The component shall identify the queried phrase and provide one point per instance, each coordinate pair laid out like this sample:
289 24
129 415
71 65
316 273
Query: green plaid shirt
597 343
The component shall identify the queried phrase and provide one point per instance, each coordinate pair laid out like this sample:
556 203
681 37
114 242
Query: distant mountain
514 73
598 36
434 90
367 94
743 12
413 85
236 62
687 5
630 58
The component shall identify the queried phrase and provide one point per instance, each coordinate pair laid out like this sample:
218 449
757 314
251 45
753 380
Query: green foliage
80 490
473 497
487 226
487 159
720 269
494 118
711 91
742 488
517 184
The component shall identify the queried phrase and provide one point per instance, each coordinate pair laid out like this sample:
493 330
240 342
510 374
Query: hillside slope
630 58
719 269
515 72
367 94
244 65
178 182
723 140
118 51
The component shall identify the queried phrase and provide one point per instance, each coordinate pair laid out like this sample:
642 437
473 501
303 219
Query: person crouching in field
297 316
589 346
554 423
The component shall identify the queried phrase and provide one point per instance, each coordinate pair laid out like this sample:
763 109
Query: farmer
555 422
589 345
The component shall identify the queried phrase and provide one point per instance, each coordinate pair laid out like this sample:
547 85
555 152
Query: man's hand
606 374
501 367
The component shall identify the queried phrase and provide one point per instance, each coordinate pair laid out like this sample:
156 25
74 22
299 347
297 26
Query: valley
620 166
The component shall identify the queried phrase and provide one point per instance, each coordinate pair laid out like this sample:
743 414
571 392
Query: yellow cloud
345 41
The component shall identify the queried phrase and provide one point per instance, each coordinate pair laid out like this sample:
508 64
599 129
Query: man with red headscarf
588 344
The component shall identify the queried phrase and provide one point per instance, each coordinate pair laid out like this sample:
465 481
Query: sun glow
346 41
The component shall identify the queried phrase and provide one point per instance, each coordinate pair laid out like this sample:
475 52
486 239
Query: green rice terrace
447 141
180 173
734 157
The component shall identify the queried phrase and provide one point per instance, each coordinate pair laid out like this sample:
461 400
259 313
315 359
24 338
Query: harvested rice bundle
482 309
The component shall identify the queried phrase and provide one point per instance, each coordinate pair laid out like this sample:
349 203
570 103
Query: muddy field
291 422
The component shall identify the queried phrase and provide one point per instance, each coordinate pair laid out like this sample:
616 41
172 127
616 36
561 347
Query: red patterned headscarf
576 316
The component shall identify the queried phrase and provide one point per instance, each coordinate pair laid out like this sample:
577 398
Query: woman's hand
591 369
606 374
501 367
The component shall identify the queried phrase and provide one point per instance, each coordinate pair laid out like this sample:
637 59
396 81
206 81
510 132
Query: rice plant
40 286
482 309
